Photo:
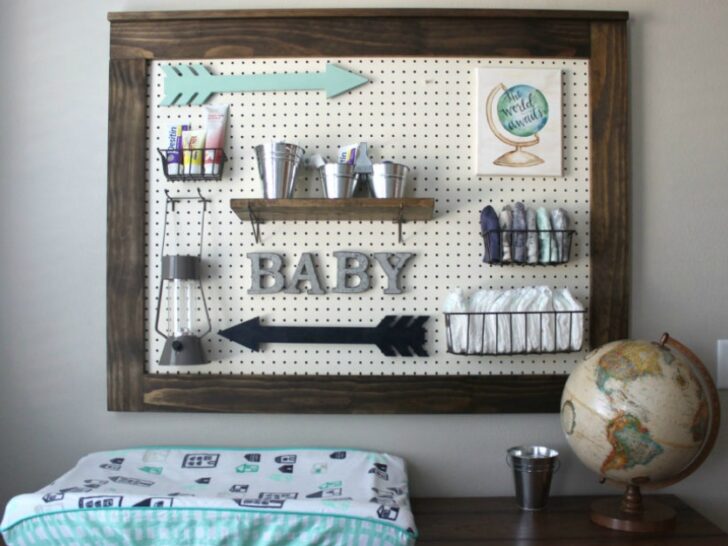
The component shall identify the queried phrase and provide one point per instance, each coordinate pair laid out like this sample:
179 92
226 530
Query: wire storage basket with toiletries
514 332
528 246
188 165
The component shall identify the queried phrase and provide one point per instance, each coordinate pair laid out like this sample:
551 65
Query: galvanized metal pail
278 163
388 180
338 180
533 467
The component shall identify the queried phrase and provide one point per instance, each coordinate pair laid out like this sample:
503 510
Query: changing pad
164 496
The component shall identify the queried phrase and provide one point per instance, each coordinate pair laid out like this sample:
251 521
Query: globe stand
518 158
633 514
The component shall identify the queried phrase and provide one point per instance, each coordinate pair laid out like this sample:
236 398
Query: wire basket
559 241
206 173
514 332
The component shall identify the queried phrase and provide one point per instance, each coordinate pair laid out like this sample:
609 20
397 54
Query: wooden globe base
518 158
633 514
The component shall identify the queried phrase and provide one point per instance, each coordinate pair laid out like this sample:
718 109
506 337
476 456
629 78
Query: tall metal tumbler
388 180
533 467
338 180
278 163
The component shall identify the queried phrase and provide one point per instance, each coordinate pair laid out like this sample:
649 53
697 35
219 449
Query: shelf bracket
400 220
254 224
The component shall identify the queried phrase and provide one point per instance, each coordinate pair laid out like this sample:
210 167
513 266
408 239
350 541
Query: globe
640 413
522 110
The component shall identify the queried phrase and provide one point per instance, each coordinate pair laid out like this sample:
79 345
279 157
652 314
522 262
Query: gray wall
53 60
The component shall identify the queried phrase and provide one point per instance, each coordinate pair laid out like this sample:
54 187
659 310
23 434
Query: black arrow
404 335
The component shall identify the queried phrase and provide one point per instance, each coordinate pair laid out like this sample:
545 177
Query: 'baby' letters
351 272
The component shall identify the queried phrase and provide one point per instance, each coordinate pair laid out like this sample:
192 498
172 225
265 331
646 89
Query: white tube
216 119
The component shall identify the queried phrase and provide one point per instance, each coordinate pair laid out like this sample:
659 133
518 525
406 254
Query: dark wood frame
137 38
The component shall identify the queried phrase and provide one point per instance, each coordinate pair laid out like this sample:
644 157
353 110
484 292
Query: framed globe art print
518 122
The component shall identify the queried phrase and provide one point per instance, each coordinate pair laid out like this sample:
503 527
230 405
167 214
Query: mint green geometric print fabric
162 496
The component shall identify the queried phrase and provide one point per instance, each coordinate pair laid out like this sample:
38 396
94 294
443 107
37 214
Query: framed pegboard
423 89
418 111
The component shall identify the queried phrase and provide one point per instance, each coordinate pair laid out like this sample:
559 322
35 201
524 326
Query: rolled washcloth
519 233
506 225
569 325
456 302
532 237
560 223
546 240
490 228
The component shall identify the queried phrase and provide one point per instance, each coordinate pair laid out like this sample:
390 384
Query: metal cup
388 180
277 164
533 467
338 180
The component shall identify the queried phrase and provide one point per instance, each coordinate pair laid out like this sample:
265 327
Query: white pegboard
416 111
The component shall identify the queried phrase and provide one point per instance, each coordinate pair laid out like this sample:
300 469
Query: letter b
345 270
258 270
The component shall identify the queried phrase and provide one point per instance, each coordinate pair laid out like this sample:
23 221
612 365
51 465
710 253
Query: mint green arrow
194 84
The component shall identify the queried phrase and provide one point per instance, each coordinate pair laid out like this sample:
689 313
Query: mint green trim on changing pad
200 527
202 509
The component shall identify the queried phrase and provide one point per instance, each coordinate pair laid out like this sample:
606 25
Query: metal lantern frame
186 349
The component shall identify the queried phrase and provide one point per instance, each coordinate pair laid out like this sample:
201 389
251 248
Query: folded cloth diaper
546 242
521 327
503 304
519 233
532 237
570 327
543 324
560 223
490 225
506 225
456 302
482 327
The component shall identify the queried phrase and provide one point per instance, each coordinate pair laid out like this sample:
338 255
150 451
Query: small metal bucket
338 180
277 164
533 467
388 180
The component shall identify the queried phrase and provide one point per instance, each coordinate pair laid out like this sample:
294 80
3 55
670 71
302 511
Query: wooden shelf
401 210
357 208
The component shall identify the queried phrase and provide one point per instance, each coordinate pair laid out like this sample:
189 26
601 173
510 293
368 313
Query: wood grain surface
353 393
610 188
357 208
565 521
397 12
125 234
340 35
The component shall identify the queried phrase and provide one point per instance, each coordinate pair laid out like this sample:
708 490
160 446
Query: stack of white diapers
521 320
